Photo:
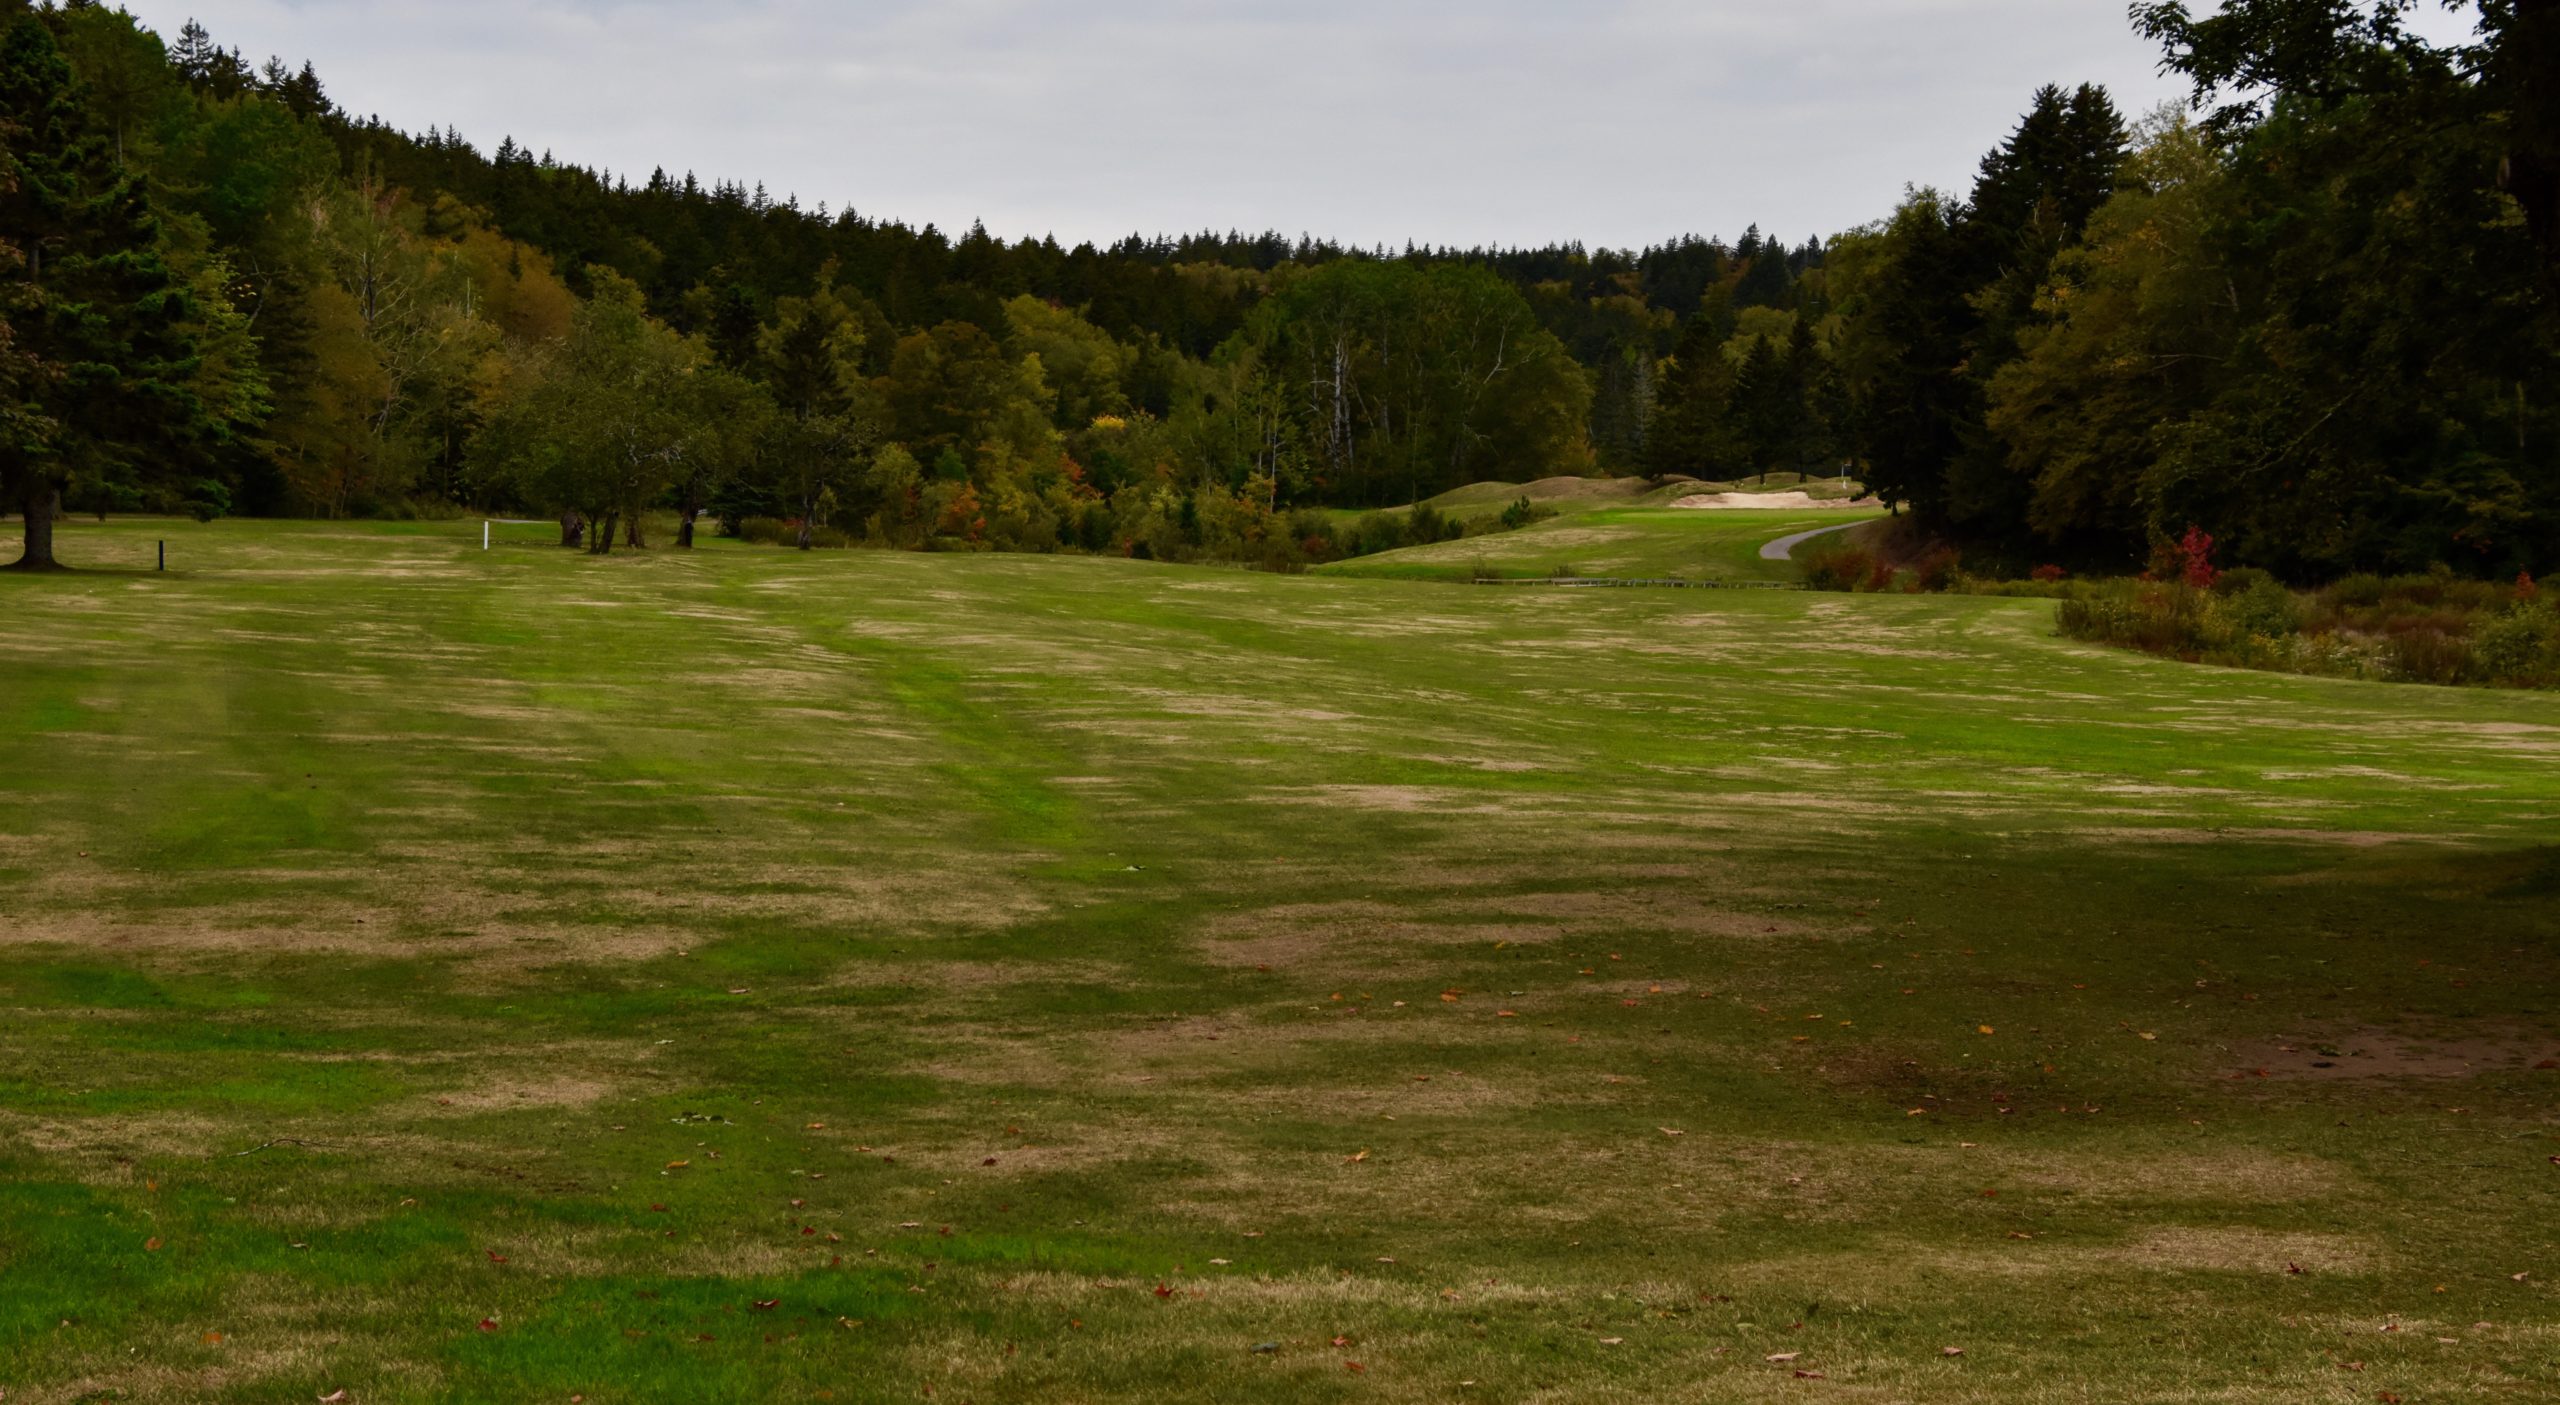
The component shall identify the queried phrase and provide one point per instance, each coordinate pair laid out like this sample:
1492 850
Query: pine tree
102 321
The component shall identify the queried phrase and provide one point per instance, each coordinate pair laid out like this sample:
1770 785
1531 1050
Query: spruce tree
101 320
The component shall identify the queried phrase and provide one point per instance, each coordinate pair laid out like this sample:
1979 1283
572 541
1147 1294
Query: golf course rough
445 975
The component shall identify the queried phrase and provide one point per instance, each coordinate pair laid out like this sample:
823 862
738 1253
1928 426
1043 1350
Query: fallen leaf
1782 1358
151 1246
1355 1367
213 1339
2296 1269
1359 1157
1163 1291
333 1397
678 1165
488 1324
1671 1131
1951 1351
496 1258
1808 1375
768 1304
1986 1029
1613 1341
1342 1341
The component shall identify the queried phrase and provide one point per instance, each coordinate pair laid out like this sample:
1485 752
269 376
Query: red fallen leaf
1355 1367
2352 1365
1163 1292
2387 1398
990 1161
706 1337
796 1204
767 1304
661 1209
488 1324
2548 1064
2296 1269
1342 1341
807 1233
1808 1375
1363 1156
151 1246
496 1258
213 1339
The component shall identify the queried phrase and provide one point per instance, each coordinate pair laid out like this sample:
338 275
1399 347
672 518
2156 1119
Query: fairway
749 975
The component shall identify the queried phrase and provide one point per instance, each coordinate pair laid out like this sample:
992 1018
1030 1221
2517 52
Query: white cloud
1610 121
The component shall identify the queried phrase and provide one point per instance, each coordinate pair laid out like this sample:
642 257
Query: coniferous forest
2311 314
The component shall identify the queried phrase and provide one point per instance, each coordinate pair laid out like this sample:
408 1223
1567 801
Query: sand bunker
1792 501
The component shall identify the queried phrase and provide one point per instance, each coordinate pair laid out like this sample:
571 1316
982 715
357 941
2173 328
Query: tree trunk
42 504
633 538
684 530
807 526
602 542
573 529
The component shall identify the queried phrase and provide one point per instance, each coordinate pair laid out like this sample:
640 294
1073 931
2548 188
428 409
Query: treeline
336 318
2316 323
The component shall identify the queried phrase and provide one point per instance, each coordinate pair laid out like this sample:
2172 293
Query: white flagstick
484 536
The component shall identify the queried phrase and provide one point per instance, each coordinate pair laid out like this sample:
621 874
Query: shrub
2520 646
2051 575
1520 514
2429 655
1838 567
2260 608
773 531
1934 573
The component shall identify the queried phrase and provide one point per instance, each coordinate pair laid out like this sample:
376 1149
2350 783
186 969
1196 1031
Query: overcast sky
1619 122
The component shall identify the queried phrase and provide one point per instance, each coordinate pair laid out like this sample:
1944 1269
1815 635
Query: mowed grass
1720 545
1617 528
748 976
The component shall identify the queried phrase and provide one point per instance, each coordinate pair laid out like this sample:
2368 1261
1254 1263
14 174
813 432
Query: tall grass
2419 629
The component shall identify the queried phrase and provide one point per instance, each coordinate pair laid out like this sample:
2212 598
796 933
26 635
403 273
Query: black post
164 556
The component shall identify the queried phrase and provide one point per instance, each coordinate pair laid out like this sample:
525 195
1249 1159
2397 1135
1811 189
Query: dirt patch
2360 1054
2248 1251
